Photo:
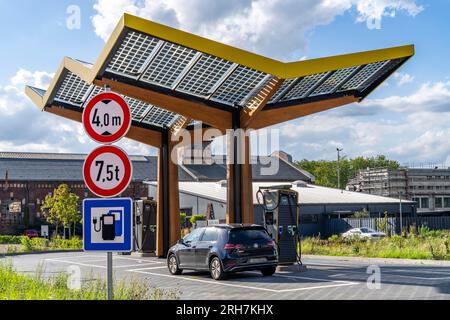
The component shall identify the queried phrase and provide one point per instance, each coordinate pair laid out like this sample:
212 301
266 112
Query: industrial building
27 178
316 204
429 188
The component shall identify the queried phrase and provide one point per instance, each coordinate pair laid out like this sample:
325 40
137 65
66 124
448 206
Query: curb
13 254
382 260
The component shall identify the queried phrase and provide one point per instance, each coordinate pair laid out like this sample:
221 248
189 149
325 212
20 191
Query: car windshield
367 230
245 236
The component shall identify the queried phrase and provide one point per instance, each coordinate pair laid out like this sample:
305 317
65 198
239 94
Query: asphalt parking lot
326 278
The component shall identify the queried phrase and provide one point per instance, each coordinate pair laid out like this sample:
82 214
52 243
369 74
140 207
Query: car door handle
193 247
210 247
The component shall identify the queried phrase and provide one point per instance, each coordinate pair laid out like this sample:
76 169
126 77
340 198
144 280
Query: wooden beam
259 101
275 116
178 126
146 136
190 109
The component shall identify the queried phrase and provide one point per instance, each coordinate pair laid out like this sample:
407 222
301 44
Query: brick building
27 178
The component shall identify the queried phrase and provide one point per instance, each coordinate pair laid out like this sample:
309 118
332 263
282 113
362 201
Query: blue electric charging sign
107 225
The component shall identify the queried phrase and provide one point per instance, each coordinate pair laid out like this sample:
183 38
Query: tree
61 208
326 171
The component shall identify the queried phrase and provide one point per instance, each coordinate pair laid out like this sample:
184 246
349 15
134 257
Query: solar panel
133 53
75 91
387 68
285 87
72 90
238 86
160 117
169 64
331 84
363 75
303 86
204 76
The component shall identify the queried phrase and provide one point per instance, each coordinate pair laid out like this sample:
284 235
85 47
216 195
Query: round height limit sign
107 118
107 170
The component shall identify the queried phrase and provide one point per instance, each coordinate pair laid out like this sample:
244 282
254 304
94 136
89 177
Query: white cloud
39 79
277 28
403 78
432 96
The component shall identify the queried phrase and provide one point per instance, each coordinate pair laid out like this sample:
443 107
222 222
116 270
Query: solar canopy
154 57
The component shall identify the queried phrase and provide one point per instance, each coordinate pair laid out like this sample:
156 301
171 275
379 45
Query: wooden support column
247 184
240 183
168 208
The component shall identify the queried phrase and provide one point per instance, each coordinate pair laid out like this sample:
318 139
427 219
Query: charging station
281 220
144 226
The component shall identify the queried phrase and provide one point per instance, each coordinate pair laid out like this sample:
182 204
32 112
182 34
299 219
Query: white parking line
150 268
343 283
99 266
337 275
76 263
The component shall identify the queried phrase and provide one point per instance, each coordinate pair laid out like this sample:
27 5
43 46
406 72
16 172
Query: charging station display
107 225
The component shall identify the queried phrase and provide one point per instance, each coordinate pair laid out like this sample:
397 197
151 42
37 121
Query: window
248 236
446 202
211 234
438 202
421 187
194 235
424 203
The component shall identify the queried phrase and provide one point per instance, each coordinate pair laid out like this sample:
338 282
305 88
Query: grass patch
17 286
426 245
42 244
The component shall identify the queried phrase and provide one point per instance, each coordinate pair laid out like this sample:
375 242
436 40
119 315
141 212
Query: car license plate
258 260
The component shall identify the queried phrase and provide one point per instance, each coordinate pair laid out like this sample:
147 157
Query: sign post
107 172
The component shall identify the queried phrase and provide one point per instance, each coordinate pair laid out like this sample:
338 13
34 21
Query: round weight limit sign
107 171
107 118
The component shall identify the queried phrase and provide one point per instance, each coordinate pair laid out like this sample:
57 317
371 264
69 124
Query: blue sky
404 119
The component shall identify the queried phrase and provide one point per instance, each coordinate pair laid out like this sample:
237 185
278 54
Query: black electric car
223 249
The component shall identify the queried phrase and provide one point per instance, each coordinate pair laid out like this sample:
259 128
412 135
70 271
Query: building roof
68 167
61 167
310 194
282 170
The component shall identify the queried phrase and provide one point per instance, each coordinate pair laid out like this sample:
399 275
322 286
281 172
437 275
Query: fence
338 226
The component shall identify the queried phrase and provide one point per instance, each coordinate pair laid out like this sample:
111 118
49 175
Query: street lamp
401 213
338 167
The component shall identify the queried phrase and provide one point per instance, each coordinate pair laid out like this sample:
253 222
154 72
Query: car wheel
216 270
267 272
172 264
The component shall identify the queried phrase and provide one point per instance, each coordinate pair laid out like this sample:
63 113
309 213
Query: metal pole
109 271
338 168
401 222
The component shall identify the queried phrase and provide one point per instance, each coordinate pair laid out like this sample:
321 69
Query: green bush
197 217
62 244
11 239
182 219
